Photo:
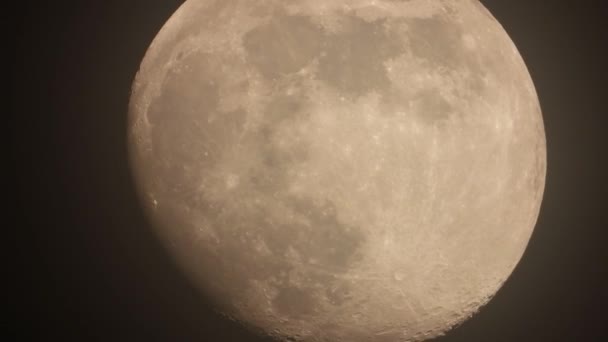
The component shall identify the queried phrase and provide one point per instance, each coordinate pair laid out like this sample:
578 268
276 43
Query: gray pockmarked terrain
364 170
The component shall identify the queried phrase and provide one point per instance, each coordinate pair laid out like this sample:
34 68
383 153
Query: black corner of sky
83 265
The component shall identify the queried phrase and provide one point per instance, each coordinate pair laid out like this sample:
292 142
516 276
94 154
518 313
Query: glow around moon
365 170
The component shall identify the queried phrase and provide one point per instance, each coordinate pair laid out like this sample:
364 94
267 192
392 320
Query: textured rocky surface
339 170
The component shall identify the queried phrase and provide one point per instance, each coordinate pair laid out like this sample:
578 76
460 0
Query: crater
283 46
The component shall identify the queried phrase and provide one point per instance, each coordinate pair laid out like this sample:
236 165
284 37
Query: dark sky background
87 267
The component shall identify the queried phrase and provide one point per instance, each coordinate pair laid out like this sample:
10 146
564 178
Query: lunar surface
363 170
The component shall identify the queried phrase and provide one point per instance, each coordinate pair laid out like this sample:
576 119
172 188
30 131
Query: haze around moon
364 170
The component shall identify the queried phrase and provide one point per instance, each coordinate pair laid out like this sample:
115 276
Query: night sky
87 267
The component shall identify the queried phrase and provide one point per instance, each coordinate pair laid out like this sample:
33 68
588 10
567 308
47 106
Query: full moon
346 170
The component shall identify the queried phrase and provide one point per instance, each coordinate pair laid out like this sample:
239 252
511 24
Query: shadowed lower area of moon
345 170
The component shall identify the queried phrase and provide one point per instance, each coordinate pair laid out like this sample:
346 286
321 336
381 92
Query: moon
363 170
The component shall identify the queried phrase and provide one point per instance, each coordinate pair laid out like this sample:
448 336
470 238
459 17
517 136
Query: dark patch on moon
432 107
234 262
178 129
283 110
438 41
283 46
339 294
331 242
284 107
187 131
294 302
230 263
352 61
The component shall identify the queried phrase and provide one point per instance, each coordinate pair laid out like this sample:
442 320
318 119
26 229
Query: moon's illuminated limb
340 169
